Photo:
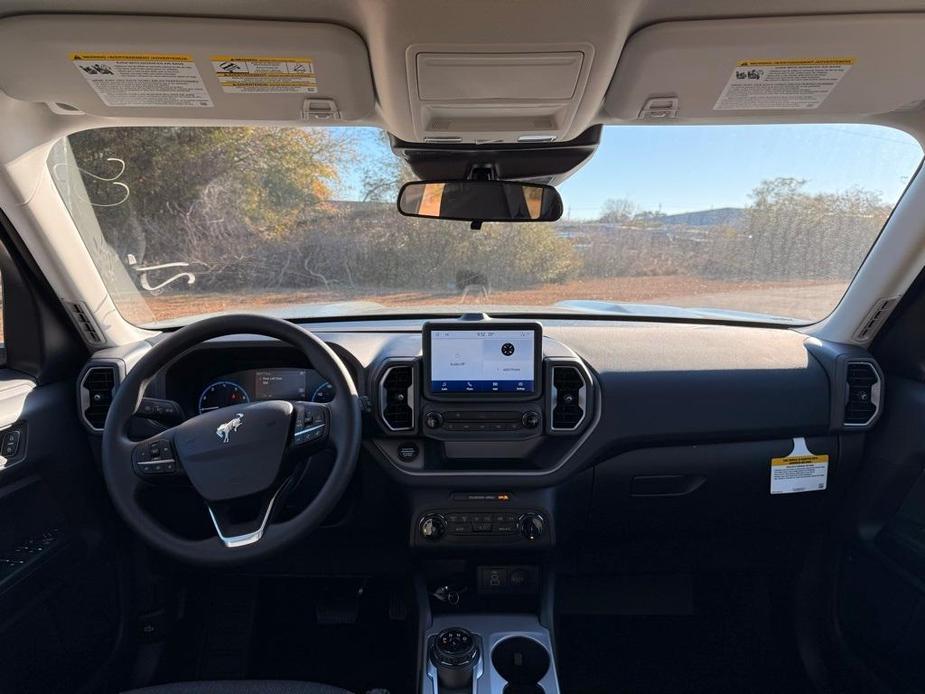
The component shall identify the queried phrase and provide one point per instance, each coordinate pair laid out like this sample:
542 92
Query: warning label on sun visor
248 74
800 471
143 79
797 84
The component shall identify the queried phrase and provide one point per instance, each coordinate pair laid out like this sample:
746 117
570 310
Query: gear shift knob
454 653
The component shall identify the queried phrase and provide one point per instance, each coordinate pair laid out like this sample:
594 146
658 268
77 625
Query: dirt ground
794 299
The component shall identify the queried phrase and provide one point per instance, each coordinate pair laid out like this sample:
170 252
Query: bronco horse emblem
224 430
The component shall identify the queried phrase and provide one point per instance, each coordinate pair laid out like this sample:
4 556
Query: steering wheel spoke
155 460
242 522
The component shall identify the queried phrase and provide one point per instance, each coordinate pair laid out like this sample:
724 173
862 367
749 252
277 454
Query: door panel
880 601
59 589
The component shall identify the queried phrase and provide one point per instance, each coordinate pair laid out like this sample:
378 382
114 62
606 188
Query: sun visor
164 67
789 68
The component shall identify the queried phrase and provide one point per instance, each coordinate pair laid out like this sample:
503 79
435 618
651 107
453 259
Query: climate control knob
532 526
432 527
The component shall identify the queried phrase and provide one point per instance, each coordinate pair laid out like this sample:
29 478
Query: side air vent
396 397
862 398
85 323
569 398
875 319
96 390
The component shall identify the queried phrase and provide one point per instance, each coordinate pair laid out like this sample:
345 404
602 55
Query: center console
487 407
472 424
488 654
484 378
483 396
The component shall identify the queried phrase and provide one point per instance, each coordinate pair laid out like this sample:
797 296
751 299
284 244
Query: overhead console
485 396
489 94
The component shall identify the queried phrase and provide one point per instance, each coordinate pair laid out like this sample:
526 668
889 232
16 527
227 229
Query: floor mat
738 640
298 637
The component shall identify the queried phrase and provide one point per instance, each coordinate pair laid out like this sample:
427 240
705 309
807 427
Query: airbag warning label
800 471
249 74
798 84
143 79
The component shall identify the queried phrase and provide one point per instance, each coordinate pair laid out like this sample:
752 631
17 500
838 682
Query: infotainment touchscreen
482 361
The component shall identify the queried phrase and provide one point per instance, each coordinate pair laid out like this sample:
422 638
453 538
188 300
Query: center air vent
862 399
396 397
569 398
96 390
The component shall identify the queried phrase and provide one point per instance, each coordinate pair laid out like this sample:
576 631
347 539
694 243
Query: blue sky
688 168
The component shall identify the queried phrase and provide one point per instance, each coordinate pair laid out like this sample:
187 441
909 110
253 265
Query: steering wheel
240 458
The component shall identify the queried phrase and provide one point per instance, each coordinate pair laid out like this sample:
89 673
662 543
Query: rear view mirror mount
480 201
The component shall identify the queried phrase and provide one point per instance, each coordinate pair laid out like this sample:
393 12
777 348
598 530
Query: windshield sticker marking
265 75
775 84
800 471
143 79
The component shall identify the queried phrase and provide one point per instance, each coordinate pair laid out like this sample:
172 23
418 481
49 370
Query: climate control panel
492 527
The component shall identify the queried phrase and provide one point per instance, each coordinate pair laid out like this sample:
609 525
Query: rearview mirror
480 201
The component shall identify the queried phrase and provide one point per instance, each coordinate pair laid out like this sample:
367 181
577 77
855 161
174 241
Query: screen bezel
469 326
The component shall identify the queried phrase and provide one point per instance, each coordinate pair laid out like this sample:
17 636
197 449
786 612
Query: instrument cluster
253 385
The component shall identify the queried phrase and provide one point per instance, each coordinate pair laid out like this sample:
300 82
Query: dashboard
486 425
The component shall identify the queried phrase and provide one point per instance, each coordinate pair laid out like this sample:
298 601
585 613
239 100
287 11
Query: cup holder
522 663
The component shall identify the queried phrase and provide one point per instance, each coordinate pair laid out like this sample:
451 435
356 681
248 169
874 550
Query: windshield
763 222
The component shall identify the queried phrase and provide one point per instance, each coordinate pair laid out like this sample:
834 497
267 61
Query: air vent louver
83 319
568 405
863 394
875 318
97 388
396 397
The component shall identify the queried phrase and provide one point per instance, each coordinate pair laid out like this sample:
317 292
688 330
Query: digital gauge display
255 385
221 394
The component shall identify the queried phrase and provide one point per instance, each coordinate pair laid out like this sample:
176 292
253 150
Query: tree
213 197
382 172
789 233
266 176
618 211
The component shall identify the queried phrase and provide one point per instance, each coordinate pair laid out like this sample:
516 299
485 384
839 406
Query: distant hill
721 216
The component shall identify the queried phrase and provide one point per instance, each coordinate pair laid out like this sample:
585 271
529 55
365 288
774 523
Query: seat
241 687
